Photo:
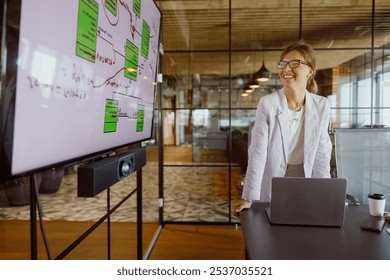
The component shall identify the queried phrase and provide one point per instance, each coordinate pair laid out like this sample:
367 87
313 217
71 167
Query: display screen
85 79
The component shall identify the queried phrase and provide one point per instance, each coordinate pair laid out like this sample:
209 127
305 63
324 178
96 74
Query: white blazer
269 146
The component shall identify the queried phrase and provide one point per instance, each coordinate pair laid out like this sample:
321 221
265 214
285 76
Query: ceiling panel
263 28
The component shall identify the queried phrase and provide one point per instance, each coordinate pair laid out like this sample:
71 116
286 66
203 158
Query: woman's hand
243 205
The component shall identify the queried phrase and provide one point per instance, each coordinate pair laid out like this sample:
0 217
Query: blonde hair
308 54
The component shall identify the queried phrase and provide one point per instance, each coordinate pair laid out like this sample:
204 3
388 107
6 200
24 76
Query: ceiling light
263 75
253 83
247 89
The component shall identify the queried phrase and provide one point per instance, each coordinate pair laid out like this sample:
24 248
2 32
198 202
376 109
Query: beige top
296 121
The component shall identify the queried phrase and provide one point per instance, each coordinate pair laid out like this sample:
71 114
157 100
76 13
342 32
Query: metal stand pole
139 214
33 219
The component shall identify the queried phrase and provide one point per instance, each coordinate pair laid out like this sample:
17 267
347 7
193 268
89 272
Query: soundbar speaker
97 176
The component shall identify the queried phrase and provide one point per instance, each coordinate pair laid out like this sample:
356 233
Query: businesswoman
290 134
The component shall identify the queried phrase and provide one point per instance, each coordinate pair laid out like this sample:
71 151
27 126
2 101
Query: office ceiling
338 30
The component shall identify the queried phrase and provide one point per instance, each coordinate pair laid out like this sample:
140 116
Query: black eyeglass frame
284 63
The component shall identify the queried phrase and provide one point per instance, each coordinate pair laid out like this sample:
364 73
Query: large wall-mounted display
86 78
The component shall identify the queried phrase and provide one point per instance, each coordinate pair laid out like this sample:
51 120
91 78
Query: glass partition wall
212 49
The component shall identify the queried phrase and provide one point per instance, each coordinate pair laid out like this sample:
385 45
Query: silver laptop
307 201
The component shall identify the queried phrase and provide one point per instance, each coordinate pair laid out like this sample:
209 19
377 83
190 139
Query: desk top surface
286 242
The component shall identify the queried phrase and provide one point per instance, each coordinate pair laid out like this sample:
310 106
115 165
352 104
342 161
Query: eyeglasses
292 63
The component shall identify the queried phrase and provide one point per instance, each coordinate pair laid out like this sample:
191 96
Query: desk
282 242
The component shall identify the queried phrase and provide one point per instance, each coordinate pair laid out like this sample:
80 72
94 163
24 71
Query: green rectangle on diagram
112 6
111 115
137 7
87 25
109 127
131 62
111 103
140 118
145 39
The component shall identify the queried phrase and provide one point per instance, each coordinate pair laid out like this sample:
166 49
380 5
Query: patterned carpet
193 194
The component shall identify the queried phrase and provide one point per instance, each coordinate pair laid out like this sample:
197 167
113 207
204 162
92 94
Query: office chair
363 158
351 200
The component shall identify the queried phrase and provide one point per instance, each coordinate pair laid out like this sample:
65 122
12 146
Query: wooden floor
205 242
176 242
182 154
